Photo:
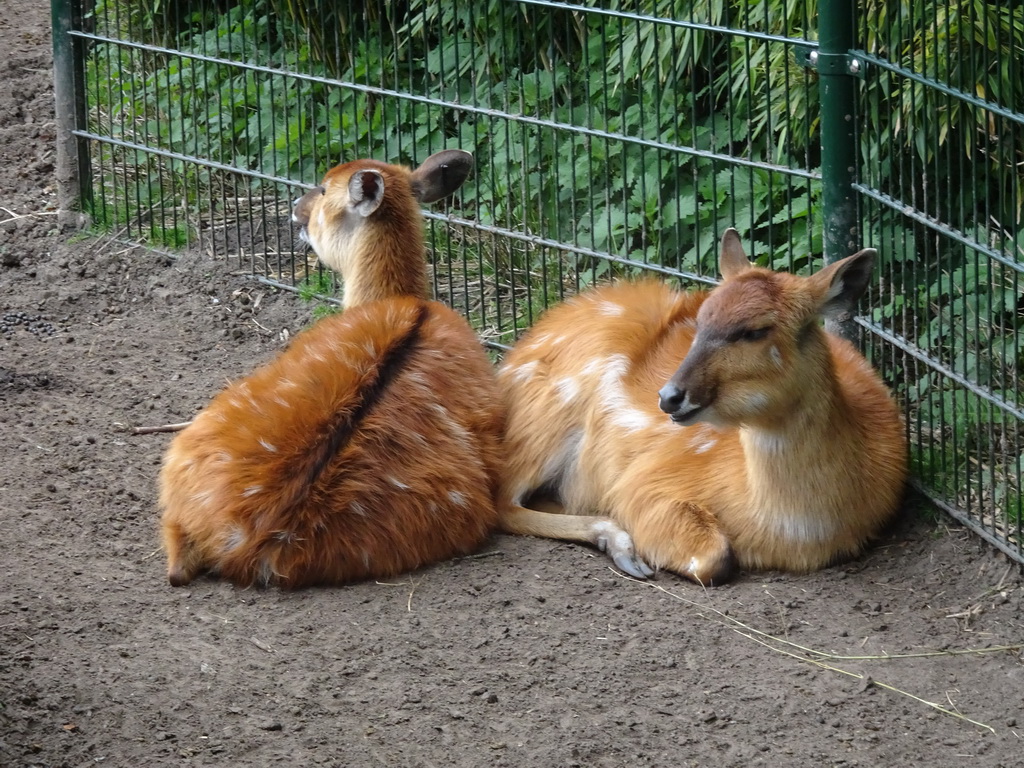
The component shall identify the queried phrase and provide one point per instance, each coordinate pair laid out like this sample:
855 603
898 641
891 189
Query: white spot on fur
417 378
358 508
202 498
398 483
268 446
252 490
702 440
615 400
522 374
693 566
705 446
776 356
610 308
458 499
235 539
459 433
592 366
539 340
568 389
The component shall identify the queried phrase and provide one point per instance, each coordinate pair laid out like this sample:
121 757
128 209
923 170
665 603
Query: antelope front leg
602 532
680 536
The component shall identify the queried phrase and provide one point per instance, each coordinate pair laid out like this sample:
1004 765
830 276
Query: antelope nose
670 398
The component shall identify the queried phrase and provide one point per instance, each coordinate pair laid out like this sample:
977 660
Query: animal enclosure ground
534 653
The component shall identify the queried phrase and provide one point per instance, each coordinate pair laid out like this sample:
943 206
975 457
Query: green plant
319 288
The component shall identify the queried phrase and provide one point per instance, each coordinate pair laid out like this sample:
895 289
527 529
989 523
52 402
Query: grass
319 288
116 212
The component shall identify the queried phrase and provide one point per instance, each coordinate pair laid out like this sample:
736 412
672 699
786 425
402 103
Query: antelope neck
386 272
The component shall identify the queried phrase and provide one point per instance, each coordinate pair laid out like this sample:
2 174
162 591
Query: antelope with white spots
371 445
701 431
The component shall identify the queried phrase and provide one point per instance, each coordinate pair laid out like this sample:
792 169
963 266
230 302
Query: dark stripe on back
347 421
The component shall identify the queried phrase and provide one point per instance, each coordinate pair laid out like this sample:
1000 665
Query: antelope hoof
619 546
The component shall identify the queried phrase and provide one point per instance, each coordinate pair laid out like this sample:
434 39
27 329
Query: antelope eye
750 334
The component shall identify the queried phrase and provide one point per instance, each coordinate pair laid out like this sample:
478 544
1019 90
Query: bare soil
534 653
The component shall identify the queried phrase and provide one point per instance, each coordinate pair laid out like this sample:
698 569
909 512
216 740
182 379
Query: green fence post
837 70
72 155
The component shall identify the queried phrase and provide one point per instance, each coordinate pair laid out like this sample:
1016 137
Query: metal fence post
837 70
72 156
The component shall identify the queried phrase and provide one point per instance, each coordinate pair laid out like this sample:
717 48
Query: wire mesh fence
612 138
942 126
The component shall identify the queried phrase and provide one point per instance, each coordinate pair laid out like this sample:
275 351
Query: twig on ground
763 638
408 605
825 654
480 555
260 644
868 680
161 428
15 216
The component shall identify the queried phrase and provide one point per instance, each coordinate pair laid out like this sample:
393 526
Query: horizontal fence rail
612 139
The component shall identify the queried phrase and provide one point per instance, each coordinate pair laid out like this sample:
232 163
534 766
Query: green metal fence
941 188
613 138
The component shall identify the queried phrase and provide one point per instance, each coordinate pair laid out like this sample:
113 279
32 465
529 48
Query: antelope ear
366 191
441 174
842 283
732 259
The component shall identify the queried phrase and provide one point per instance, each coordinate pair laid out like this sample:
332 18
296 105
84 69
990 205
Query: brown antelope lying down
370 446
773 444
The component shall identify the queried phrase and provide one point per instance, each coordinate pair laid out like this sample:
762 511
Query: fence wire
942 121
612 139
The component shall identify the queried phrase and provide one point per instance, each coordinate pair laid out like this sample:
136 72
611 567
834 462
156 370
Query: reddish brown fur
369 447
798 456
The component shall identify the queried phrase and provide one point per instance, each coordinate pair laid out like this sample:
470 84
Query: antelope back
369 447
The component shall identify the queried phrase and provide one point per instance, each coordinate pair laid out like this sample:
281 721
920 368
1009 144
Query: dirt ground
532 654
